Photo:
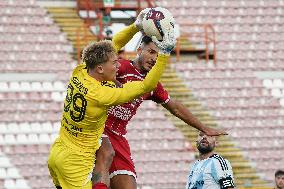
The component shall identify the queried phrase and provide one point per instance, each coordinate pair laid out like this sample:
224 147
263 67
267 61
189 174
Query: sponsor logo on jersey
108 84
120 112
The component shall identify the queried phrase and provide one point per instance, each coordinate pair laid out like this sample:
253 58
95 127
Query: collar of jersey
140 72
87 76
212 156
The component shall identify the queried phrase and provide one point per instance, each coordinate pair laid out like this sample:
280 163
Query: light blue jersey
214 172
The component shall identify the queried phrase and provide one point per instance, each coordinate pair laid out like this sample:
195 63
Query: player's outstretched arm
180 111
109 96
120 39
124 36
113 96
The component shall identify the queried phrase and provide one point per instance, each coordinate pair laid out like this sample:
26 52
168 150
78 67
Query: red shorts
122 163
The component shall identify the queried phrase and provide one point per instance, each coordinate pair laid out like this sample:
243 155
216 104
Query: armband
226 183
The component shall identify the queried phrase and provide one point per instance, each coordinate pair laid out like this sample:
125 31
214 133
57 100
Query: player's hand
214 132
167 44
139 19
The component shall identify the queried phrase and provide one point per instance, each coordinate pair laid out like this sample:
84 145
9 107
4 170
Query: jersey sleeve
222 172
109 95
120 39
160 95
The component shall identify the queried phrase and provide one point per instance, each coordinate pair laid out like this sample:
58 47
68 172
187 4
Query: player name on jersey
79 85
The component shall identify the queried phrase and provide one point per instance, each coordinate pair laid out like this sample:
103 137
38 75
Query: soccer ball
156 21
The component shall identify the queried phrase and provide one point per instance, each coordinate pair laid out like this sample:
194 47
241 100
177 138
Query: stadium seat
36 86
3 173
282 101
278 83
9 183
12 172
57 96
4 162
44 139
33 139
21 183
47 86
59 86
10 139
46 127
22 139
267 83
276 92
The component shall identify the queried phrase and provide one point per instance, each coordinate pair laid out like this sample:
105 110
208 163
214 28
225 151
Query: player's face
205 144
147 56
110 68
279 181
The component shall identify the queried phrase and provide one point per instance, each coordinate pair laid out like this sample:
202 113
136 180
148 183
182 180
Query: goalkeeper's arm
124 36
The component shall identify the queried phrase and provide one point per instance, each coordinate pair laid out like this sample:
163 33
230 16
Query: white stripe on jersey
131 75
206 174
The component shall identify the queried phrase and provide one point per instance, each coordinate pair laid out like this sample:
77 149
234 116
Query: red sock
100 186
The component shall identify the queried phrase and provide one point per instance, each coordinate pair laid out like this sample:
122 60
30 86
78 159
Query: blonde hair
97 53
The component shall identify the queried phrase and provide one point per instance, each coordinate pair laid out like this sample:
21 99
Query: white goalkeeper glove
167 44
139 19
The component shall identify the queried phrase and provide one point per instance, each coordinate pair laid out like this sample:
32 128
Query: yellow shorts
69 168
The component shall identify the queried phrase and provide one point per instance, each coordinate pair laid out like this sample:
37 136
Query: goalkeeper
89 95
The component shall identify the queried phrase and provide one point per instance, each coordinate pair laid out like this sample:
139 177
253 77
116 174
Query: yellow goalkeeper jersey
87 100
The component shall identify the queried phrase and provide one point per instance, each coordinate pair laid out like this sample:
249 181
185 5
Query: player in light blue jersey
279 179
211 171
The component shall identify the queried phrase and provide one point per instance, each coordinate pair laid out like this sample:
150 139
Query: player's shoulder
125 63
109 84
79 68
99 89
220 161
217 157
103 85
160 86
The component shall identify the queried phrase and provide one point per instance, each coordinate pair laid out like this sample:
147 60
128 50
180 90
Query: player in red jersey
122 170
115 157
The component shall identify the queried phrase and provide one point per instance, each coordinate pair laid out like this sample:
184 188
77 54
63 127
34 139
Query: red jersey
119 116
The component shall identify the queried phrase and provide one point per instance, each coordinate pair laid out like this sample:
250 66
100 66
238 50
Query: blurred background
227 68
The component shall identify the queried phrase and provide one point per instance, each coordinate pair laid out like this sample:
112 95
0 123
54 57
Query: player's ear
216 143
100 69
139 50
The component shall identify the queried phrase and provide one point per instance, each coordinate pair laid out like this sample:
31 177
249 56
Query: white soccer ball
157 21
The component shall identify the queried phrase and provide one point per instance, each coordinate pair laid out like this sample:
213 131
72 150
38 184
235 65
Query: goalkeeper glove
139 19
167 44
